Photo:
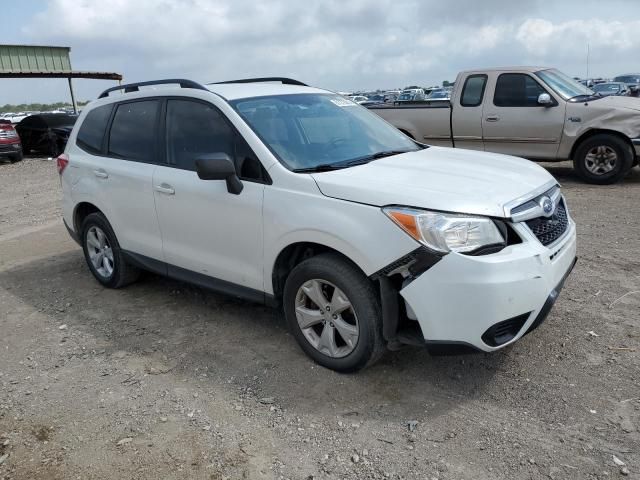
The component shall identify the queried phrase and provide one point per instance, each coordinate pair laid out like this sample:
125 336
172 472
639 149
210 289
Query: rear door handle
493 118
100 173
165 188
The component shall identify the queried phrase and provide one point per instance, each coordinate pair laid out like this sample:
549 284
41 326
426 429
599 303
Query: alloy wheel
100 252
327 318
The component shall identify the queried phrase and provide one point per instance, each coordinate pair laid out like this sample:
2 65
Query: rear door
466 116
206 229
514 123
117 170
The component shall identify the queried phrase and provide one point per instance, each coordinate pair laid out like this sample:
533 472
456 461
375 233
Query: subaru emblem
547 205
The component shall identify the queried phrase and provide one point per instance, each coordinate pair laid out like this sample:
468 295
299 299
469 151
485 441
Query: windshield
562 84
305 131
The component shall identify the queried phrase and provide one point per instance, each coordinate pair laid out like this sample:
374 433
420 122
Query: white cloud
540 37
334 43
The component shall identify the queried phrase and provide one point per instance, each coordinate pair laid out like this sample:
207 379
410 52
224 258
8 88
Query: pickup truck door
516 124
466 113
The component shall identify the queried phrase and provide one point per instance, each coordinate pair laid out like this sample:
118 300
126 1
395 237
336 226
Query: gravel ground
164 380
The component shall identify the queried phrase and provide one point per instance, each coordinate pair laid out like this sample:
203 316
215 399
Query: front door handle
493 118
165 188
100 173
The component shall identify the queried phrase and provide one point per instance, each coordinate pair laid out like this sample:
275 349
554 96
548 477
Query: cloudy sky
336 44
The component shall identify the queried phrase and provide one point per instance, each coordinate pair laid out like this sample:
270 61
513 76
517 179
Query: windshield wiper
585 97
327 167
388 153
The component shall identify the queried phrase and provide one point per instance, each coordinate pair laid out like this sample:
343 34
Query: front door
513 122
205 229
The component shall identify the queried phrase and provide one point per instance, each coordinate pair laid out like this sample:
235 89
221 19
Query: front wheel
603 159
333 311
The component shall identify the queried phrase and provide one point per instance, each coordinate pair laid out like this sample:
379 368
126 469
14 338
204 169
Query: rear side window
92 130
517 90
134 131
473 90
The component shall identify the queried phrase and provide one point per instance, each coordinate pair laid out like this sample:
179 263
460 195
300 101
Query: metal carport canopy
36 61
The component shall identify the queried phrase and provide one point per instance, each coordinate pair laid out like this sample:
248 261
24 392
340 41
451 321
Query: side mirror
219 166
544 99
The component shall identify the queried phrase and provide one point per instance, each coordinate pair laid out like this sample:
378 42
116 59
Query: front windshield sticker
343 102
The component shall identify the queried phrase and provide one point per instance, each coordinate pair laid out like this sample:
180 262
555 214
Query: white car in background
359 98
296 197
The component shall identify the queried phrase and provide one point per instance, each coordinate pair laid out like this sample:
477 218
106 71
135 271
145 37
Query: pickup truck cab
532 112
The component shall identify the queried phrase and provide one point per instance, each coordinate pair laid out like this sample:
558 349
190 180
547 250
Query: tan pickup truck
536 113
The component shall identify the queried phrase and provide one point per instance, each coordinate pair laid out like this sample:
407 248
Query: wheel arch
292 255
597 131
80 212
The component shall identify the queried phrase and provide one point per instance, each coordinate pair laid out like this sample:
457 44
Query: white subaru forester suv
279 193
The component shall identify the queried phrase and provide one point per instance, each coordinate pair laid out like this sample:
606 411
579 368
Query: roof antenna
588 65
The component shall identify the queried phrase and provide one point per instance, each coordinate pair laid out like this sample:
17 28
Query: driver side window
195 129
517 90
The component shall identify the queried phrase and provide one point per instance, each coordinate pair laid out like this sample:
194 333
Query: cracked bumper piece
488 302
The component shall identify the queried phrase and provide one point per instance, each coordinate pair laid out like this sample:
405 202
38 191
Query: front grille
549 229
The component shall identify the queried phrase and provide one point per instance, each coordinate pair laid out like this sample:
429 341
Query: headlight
446 232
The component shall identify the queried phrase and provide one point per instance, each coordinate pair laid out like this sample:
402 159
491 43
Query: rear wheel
16 157
333 311
103 255
603 159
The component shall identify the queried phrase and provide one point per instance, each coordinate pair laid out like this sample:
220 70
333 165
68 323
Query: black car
46 132
633 82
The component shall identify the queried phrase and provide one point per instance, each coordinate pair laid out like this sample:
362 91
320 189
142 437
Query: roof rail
133 87
283 80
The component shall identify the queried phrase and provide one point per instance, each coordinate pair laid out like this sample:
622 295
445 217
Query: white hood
437 178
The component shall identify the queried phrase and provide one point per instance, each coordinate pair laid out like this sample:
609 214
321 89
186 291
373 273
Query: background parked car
46 133
611 89
633 82
359 98
411 95
10 146
439 94
391 95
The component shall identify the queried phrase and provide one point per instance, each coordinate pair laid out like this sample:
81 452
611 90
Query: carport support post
73 97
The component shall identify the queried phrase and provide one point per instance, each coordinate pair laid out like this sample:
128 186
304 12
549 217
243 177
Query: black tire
123 273
361 294
623 163
16 158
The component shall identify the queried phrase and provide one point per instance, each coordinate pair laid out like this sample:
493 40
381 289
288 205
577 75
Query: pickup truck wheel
333 312
103 255
603 159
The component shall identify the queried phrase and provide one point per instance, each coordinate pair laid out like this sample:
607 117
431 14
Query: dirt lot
164 380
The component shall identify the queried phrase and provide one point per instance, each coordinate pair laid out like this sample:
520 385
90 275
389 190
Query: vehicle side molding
219 166
195 278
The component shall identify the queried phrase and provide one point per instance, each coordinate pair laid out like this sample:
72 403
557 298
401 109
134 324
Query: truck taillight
62 162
